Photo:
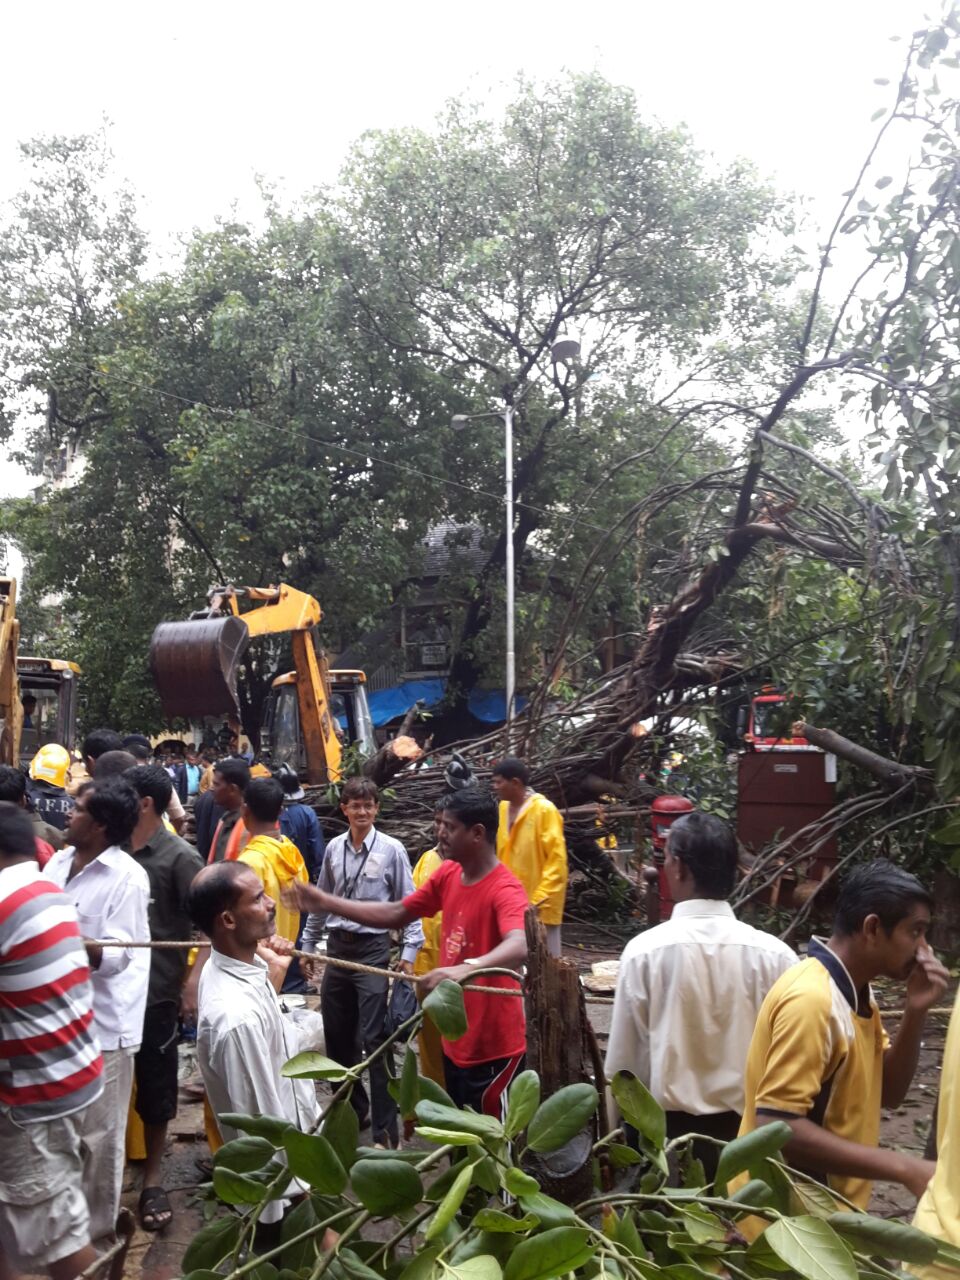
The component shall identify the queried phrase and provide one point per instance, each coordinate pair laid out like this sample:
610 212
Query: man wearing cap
299 821
48 785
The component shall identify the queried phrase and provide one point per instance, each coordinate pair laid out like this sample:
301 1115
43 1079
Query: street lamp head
459 421
564 349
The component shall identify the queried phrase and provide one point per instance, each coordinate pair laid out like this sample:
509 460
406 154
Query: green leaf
409 1094
884 1238
628 1236
746 1151
524 1098
300 1218
519 1183
561 1117
487 1176
457 1121
550 1253
212 1243
314 1066
811 1247
408 1156
386 1186
640 1108
451 1202
808 1197
431 1092
445 1008
204 1275
236 1188
312 1158
422 1265
270 1127
949 833
552 1213
692 1172
244 1155
701 1225
483 1267
450 1136
622 1156
341 1128
494 1220
686 1271
755 1193
354 1268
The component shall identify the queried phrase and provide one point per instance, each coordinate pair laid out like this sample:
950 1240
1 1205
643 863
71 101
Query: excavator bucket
195 664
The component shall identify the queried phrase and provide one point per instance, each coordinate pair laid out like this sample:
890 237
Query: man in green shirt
171 865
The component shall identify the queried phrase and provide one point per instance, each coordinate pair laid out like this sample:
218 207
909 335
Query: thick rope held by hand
319 958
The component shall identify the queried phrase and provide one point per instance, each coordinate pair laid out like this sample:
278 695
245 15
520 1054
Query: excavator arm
11 712
195 663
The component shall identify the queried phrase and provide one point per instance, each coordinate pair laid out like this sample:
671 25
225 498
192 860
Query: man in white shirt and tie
689 990
111 895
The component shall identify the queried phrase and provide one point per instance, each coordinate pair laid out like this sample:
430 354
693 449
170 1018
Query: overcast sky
205 95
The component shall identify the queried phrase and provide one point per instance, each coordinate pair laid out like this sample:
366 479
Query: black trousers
723 1125
484 1085
354 1007
155 1066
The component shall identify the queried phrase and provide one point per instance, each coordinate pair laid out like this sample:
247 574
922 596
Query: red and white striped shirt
50 1063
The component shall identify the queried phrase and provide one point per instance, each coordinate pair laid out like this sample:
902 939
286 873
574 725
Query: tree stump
563 1050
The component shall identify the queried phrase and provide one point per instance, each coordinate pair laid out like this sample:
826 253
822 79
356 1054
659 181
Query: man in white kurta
243 1038
689 990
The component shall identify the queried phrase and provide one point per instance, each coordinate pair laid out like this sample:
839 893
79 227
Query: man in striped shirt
50 1065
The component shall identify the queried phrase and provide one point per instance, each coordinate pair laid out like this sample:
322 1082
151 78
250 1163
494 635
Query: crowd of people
722 1022
93 866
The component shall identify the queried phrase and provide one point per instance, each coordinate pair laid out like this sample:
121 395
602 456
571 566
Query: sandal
154 1208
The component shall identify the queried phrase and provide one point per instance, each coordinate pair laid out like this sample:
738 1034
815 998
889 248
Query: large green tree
476 246
277 405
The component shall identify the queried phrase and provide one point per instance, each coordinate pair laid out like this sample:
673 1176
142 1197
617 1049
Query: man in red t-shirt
483 906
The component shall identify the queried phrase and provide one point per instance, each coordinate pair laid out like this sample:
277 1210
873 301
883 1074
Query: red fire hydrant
664 811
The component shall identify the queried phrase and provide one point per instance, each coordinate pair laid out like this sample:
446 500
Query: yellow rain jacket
535 851
277 862
938 1212
428 957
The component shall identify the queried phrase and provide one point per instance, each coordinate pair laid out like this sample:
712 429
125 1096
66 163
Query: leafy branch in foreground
465 1206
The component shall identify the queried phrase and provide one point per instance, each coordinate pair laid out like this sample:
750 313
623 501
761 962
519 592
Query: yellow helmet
50 764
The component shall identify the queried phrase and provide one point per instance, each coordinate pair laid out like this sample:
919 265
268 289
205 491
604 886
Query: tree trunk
391 758
890 772
562 1050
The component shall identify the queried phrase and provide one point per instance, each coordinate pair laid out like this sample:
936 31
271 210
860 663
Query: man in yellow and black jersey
820 1058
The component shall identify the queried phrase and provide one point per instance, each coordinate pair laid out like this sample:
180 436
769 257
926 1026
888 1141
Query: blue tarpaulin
488 705
388 704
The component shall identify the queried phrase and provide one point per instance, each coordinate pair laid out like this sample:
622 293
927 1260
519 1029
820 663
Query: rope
391 974
318 958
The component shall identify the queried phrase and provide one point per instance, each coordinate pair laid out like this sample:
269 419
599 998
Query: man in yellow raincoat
274 858
938 1212
428 957
530 843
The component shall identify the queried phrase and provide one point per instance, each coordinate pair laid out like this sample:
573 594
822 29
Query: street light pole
511 663
561 352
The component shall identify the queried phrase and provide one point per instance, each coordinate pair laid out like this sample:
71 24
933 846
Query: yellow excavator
310 709
38 696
